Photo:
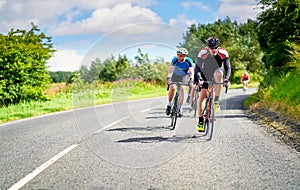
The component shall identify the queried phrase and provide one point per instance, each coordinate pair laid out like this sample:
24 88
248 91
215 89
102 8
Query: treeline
241 41
113 69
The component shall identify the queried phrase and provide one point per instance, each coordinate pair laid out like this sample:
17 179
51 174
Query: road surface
129 145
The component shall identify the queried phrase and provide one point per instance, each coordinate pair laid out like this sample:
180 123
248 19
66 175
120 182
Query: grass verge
83 96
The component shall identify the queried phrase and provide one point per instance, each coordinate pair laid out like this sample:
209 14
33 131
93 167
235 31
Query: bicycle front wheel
211 120
174 114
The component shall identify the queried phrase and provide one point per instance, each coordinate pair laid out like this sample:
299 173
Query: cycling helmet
212 42
182 51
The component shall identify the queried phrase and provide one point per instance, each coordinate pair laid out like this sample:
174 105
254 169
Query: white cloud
19 13
239 10
74 16
65 60
197 5
181 21
105 20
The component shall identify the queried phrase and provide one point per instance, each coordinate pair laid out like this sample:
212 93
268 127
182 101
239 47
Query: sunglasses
213 47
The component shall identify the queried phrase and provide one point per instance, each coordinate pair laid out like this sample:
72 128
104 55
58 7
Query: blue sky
83 30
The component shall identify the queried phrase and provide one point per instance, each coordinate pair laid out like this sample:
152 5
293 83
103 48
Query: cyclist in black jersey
210 63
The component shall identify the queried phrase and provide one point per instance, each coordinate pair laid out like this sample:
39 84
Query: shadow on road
155 139
147 128
231 116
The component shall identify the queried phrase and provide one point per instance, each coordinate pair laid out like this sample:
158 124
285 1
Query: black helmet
212 42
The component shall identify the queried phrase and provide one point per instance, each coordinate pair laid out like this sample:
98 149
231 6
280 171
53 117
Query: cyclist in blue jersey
181 70
210 61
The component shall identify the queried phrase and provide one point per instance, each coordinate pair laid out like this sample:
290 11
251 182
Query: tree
84 74
95 70
23 71
113 69
61 76
142 58
279 25
240 40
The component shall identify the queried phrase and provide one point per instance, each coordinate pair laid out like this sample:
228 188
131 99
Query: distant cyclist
210 61
181 70
245 78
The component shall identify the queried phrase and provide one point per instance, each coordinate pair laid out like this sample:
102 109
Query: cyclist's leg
189 96
202 96
193 91
170 98
218 75
181 96
171 93
184 79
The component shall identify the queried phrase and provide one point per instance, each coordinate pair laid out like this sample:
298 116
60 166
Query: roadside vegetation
28 89
283 94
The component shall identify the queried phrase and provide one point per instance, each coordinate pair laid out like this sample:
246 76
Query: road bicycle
209 111
175 103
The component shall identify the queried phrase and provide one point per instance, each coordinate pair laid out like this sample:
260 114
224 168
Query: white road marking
41 168
143 111
118 121
112 124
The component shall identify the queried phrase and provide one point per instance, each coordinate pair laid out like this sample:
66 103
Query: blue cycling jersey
182 68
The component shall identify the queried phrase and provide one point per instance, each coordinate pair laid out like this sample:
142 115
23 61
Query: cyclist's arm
171 70
198 67
191 72
227 68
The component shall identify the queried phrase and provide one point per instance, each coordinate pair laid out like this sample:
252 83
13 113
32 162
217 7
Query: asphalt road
130 146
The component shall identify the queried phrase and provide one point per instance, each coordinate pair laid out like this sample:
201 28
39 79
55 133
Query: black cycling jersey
208 63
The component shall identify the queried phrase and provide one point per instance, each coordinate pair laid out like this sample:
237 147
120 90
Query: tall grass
283 97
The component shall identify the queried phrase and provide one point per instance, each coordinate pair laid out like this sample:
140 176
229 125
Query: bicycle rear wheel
206 117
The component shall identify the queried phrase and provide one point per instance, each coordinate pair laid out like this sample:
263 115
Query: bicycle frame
209 112
175 103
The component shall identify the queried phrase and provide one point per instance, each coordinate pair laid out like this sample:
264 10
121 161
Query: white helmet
182 51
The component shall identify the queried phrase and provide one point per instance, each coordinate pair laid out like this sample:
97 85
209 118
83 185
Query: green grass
83 96
283 97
